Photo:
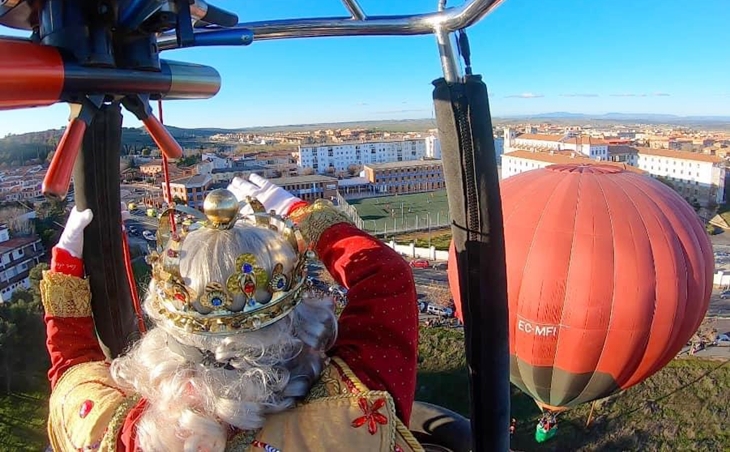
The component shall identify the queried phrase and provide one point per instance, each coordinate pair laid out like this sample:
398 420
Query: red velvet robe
378 330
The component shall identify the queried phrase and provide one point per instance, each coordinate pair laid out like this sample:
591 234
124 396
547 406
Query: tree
146 152
665 181
36 275
51 216
23 355
13 217
353 169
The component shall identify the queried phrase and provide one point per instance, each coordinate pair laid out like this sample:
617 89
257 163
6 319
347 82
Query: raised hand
270 195
72 237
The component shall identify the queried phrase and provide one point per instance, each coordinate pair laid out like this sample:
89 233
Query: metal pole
355 10
429 229
450 20
449 64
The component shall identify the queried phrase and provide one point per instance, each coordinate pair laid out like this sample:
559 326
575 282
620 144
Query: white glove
271 196
72 237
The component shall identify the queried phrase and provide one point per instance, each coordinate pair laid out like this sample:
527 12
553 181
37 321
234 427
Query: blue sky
587 56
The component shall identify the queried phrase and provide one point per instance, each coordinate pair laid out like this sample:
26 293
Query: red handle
164 140
58 177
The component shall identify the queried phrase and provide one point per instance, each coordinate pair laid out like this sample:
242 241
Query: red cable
132 282
125 243
166 174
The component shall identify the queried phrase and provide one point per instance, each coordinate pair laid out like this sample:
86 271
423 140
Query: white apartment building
433 148
217 162
18 256
697 177
519 161
339 156
591 147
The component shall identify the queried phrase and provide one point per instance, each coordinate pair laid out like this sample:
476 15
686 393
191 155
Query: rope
166 175
132 282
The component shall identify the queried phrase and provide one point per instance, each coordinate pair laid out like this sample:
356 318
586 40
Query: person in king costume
242 355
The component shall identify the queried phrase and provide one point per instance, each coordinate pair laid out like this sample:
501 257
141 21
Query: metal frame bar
355 10
448 20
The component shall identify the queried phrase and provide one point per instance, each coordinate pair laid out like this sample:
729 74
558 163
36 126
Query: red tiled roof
685 155
16 243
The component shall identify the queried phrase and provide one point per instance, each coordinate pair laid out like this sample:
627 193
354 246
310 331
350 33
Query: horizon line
544 115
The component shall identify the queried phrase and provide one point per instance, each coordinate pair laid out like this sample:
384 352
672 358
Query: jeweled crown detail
267 296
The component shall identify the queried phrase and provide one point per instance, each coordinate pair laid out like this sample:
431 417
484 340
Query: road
142 223
135 192
723 327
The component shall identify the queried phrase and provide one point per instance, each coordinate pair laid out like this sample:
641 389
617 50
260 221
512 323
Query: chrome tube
198 9
449 62
176 80
355 9
449 20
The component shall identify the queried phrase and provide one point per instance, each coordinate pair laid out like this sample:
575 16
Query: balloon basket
542 435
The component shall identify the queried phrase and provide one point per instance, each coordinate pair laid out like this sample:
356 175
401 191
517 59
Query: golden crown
213 312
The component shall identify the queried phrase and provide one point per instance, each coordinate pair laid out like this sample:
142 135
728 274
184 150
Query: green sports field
403 211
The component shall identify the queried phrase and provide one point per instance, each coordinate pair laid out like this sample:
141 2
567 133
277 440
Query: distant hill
36 145
402 125
702 122
17 149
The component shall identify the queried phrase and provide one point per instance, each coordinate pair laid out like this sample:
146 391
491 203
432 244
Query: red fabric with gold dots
378 330
70 340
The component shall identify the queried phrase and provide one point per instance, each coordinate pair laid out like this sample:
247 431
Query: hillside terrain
22 147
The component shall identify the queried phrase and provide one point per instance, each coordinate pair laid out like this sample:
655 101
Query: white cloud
526 96
578 95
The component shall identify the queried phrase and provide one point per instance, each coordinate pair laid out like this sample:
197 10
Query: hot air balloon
609 274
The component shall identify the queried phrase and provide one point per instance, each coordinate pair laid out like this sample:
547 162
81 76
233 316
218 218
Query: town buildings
309 187
191 190
18 255
338 157
698 177
406 177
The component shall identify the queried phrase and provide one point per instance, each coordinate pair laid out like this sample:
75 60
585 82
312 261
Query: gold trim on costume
83 406
316 218
109 441
405 434
65 296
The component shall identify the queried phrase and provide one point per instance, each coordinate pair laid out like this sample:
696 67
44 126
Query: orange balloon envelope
609 274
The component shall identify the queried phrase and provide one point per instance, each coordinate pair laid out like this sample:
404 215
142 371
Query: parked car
148 235
441 266
420 263
723 340
133 230
439 311
725 294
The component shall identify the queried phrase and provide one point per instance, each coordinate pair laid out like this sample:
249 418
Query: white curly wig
192 405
